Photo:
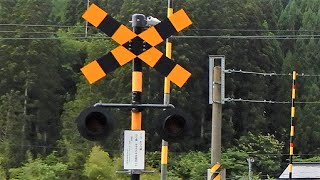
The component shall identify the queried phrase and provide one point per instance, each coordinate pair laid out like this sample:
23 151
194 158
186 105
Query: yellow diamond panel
179 75
151 56
93 72
151 36
123 35
180 20
122 55
94 15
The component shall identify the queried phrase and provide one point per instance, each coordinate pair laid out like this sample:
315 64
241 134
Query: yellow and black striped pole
136 115
166 101
293 110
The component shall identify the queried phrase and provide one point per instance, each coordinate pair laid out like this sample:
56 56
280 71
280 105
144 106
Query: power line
278 37
40 25
52 38
228 99
191 29
38 32
175 37
230 71
253 30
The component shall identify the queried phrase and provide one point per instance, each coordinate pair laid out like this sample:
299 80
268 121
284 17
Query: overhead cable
190 29
230 71
228 99
174 37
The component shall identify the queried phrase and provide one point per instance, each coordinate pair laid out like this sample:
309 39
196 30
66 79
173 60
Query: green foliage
192 165
39 169
234 161
266 151
99 165
302 159
13 120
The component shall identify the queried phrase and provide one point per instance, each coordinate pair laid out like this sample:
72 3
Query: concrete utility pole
216 117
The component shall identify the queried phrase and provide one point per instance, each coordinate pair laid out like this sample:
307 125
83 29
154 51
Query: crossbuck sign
121 55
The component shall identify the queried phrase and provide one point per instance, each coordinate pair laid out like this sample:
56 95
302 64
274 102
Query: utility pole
86 30
250 160
166 101
292 122
216 117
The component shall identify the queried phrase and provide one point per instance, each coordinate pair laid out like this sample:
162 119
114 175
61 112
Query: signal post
138 24
95 123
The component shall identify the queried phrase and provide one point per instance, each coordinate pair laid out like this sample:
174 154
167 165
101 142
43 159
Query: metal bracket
135 171
142 106
212 60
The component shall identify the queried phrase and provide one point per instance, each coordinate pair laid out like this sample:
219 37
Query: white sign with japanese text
134 149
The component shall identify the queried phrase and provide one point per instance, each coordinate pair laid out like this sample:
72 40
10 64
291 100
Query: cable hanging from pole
230 71
228 99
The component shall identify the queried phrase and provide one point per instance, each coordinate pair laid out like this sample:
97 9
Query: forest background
43 46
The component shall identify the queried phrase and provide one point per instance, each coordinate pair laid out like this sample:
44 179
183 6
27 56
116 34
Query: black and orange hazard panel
121 55
214 172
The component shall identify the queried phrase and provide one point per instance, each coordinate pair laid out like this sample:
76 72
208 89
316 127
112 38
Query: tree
265 149
38 169
234 161
12 141
99 165
192 165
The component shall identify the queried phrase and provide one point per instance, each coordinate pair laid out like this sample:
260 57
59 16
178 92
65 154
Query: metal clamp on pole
212 60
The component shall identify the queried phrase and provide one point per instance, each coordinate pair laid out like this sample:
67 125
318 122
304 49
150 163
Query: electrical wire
230 71
190 29
52 38
282 37
39 32
228 99
41 25
174 37
252 30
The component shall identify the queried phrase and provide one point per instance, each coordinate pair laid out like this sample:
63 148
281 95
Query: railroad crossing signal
121 55
95 123
173 125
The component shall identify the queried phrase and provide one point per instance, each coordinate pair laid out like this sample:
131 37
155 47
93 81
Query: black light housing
95 123
173 125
